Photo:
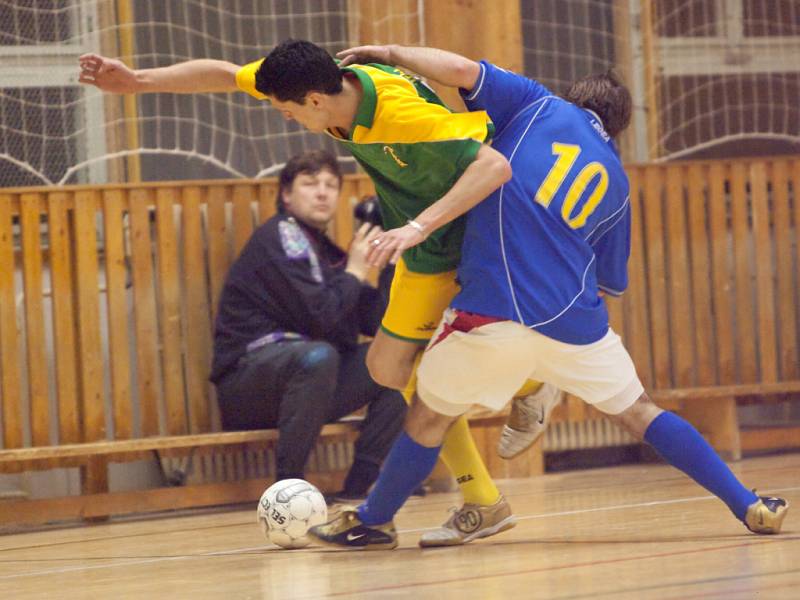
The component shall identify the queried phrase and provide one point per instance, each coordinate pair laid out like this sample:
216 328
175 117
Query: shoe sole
504 525
369 547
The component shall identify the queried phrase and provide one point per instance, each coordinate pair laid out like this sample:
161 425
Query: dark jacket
290 279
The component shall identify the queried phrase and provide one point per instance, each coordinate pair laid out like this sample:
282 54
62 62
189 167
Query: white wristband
414 225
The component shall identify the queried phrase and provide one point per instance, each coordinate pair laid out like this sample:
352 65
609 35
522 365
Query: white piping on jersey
543 102
500 216
499 132
610 291
567 307
477 89
610 227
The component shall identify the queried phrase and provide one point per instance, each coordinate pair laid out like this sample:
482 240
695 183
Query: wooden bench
105 322
93 458
105 336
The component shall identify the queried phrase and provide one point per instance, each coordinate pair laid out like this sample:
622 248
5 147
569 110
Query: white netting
53 130
709 77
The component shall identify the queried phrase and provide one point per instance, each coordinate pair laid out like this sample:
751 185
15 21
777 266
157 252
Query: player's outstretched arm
194 76
445 67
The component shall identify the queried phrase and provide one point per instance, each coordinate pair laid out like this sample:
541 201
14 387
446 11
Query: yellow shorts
417 302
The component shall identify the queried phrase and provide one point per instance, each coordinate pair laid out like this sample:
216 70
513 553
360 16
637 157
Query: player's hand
108 74
366 54
360 247
390 245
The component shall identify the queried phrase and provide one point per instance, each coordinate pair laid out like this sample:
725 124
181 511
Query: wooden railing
107 297
105 329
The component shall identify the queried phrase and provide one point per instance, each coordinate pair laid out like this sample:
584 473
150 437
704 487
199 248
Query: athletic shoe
528 420
344 497
347 531
766 515
470 522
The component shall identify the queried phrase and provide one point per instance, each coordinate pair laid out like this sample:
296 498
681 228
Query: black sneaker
345 497
766 515
346 531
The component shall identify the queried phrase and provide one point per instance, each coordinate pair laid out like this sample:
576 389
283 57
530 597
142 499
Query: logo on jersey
390 151
429 326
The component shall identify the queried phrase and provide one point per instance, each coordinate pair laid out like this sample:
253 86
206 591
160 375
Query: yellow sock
528 388
461 456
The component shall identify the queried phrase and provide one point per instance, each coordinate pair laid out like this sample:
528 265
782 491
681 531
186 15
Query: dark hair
296 67
309 163
606 95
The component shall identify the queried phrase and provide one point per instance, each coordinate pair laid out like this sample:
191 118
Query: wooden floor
627 532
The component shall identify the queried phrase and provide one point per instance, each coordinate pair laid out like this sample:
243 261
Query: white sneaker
471 522
528 420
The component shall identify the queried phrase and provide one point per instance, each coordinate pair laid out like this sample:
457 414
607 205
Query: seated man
537 253
286 351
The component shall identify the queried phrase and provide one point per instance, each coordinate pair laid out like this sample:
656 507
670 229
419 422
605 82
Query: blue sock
682 446
406 467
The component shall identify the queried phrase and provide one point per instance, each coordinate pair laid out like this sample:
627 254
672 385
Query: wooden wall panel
197 323
169 310
219 258
88 304
787 284
656 275
722 273
708 239
243 198
116 271
10 366
700 250
679 285
764 281
637 336
267 200
64 326
29 212
144 301
745 327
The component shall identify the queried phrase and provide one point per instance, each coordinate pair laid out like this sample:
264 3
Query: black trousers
298 386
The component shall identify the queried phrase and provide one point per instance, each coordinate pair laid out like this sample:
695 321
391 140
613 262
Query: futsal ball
288 509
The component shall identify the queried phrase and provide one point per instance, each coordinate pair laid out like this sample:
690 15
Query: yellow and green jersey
414 149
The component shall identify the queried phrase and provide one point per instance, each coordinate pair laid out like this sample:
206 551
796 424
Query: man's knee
389 371
425 426
320 359
311 383
637 417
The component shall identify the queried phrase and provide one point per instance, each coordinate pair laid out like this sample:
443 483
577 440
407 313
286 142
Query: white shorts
476 360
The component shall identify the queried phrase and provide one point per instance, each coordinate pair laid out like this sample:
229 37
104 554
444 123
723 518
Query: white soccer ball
288 509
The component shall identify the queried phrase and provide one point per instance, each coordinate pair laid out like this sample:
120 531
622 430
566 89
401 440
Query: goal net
710 78
53 130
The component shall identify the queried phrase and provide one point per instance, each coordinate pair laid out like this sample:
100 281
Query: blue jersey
538 249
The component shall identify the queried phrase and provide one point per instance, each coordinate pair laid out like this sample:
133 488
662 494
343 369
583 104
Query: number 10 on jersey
566 155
